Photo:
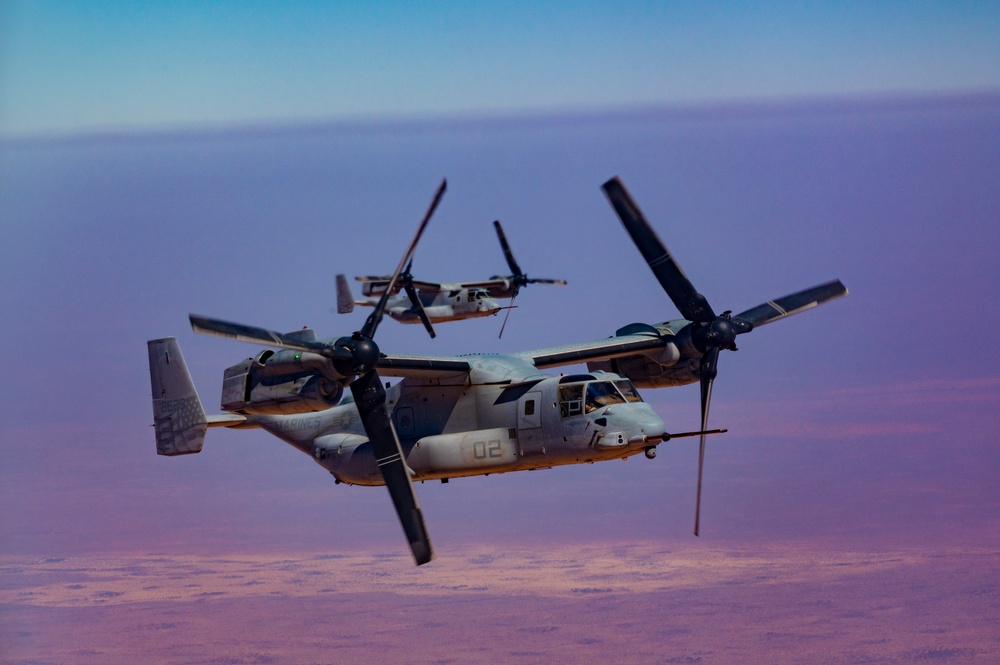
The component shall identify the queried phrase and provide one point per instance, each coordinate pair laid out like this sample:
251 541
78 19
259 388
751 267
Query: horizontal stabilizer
178 417
226 420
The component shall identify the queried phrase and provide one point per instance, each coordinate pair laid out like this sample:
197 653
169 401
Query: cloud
595 603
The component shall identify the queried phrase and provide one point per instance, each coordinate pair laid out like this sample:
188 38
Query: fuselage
445 305
481 427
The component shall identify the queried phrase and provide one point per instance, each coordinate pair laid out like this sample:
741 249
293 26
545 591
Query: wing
428 287
603 349
496 287
445 367
377 281
423 367
374 285
634 339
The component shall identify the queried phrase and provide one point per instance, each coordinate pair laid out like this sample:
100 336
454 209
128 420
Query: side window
529 407
571 400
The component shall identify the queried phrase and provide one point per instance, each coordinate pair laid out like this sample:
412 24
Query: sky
68 67
229 160
178 158
114 241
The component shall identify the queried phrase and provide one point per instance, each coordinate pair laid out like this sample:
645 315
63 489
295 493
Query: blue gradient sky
79 66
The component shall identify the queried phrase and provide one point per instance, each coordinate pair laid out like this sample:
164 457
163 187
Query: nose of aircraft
651 427
646 424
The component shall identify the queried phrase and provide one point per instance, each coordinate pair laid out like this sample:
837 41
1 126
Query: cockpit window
626 388
578 398
601 394
571 400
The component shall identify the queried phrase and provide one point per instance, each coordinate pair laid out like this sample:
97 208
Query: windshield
578 398
600 394
626 388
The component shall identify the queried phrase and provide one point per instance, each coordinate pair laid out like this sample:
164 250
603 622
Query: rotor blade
509 255
375 318
691 304
369 395
418 307
243 333
709 368
557 282
773 310
507 315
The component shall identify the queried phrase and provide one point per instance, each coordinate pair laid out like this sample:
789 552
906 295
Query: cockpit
586 393
469 295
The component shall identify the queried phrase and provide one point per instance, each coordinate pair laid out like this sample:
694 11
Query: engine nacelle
661 368
285 382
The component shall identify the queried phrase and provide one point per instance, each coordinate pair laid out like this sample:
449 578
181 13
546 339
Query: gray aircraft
422 302
437 302
456 416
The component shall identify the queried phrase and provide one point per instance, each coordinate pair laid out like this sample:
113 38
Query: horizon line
509 119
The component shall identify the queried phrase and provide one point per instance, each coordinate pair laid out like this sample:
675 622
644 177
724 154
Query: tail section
178 416
345 299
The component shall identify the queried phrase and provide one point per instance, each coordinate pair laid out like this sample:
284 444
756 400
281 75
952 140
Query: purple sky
871 420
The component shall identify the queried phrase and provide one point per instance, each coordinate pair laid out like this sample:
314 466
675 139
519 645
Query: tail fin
178 416
345 299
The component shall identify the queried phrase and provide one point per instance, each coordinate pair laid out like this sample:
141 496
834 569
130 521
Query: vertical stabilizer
178 417
345 299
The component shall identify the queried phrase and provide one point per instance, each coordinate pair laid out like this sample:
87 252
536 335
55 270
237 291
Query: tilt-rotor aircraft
438 302
470 415
421 302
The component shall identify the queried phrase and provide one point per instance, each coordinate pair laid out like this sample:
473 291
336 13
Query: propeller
518 278
710 332
356 358
507 315
406 281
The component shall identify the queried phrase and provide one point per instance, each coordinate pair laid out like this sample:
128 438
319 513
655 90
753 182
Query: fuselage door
529 424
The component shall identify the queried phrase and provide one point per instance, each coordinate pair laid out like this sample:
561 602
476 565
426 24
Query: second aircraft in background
438 302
